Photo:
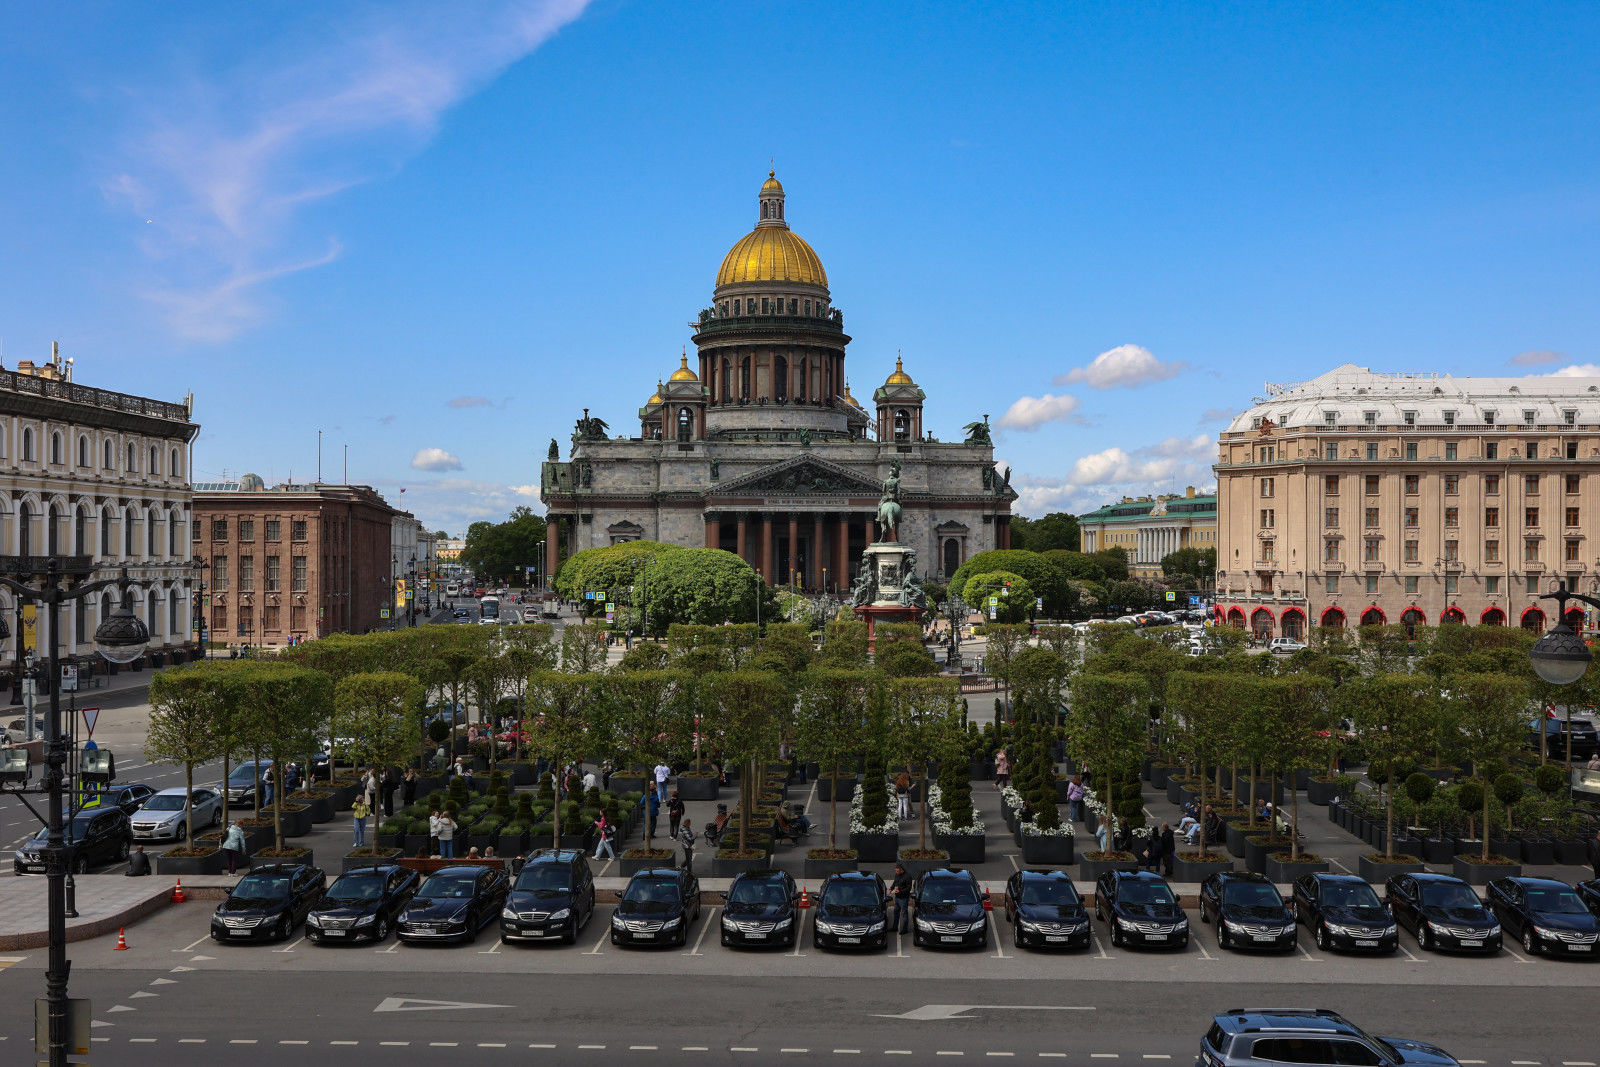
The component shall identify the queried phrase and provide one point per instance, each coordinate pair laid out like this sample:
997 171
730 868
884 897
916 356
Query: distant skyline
438 232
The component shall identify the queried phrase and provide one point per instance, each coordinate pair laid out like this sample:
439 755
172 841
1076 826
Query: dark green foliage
525 807
1469 797
1420 787
1550 779
1508 789
547 788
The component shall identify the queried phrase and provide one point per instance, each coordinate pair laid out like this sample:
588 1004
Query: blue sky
436 232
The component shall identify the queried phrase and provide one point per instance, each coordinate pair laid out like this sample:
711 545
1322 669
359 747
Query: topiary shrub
525 807
547 788
1420 787
1508 789
1550 779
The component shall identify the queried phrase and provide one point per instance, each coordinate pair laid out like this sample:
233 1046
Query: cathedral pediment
803 474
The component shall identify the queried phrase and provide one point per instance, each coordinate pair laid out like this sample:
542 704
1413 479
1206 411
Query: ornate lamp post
958 614
1560 657
51 581
411 592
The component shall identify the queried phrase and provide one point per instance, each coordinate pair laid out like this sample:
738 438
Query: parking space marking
799 936
999 1053
1012 856
404 1044
1095 937
541 1046
292 1041
494 950
491 1044
798 1050
847 1052
705 928
1339 865
1104 1055
1407 951
1577 1063
197 941
392 948
291 947
1519 957
1157 1056
900 945
240 1040
695 1048
601 940
1203 953
1307 956
642 1048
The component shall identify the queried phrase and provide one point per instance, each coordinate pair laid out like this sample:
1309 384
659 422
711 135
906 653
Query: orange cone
805 898
177 893
988 905
122 940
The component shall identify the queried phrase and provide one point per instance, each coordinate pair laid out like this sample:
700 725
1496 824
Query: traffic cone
122 940
988 905
805 898
177 893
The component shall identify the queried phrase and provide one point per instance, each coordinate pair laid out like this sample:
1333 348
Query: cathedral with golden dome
760 448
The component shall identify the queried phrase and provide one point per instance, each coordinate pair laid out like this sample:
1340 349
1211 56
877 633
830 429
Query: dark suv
1248 910
761 910
553 897
94 836
1241 1038
1548 915
1046 911
947 910
1585 740
1342 911
1141 909
1443 912
852 911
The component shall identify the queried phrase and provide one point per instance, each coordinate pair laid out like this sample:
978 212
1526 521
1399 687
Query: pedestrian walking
1075 793
408 788
900 889
603 832
447 836
433 831
662 772
674 813
686 839
902 794
233 845
358 815
1002 769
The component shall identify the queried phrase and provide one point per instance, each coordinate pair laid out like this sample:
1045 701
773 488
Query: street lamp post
119 638
1561 657
411 592
958 612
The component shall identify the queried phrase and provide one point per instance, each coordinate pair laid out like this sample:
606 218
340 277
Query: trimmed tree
282 708
923 712
747 709
1491 710
1394 714
561 730
381 713
1106 726
187 709
830 713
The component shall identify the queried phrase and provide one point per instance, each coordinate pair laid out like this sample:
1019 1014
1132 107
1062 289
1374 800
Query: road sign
1171 597
611 616
409 594
587 595
600 595
994 601
383 614
1194 602
90 717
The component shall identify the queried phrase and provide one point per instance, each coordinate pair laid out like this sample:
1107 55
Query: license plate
755 936
240 933
1472 943
849 941
1366 944
1055 937
1265 937
1155 937
333 933
952 938
1580 948
644 937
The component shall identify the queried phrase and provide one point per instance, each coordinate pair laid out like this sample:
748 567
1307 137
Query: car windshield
454 888
164 803
851 895
1449 895
750 891
651 893
262 887
1556 902
1349 895
543 878
247 773
1052 891
356 888
1145 893
948 891
1251 895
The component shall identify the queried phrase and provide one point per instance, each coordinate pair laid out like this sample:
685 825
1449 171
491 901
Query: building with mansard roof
760 449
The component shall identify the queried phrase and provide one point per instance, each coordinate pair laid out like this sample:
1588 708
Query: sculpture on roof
589 429
555 452
978 432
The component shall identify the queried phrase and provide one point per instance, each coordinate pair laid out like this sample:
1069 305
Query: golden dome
655 398
899 377
772 184
771 252
683 373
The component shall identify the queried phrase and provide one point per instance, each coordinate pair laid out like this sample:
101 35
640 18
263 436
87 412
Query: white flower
891 822
1032 830
941 819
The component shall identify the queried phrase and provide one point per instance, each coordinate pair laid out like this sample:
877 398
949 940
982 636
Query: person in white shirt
663 772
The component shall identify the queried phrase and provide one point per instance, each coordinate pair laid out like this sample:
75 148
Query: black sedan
268 903
1442 912
454 904
1590 892
656 908
1549 916
1141 909
93 836
130 798
553 898
1343 912
762 910
852 912
1249 912
947 911
1046 911
362 904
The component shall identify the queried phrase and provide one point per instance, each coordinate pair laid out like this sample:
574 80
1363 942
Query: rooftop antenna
319 457
346 464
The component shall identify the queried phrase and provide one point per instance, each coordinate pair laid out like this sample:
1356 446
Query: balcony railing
60 389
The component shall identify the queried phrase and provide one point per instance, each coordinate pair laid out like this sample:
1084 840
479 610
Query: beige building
1359 497
1149 528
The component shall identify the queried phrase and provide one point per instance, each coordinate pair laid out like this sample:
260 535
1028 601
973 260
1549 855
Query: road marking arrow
414 1004
941 1012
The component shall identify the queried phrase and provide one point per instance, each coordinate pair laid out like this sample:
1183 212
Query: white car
164 816
1284 646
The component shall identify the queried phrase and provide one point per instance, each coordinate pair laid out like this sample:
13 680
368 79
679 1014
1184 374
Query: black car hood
430 909
849 913
1366 915
1148 911
955 913
1256 913
246 906
625 910
1421 1053
347 911
1471 916
1584 923
1052 913
527 900
736 910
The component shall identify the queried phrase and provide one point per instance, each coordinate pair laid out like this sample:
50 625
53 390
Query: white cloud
1535 357
456 503
1031 412
1095 479
1218 414
469 402
1125 367
217 168
1577 370
435 459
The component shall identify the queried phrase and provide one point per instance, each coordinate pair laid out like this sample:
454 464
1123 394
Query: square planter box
321 807
388 840
1572 850
1320 792
416 843
693 787
1509 847
733 868
1175 790
1233 837
1538 850
632 865
1256 852
827 787
1225 778
1198 871
980 770
1270 789
1377 871
820 869
1474 873
349 863
257 838
296 822
915 867
520 772
344 796
511 844
1301 779
213 863
1159 775
309 857
633 783
876 848
1284 872
1091 870
1046 850
1437 849
963 848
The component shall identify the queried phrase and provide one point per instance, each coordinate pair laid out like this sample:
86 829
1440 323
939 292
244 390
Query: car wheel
122 850
285 928
1016 936
1222 936
1530 944
1425 937
182 833
1322 937
472 932
1116 936
570 934
382 931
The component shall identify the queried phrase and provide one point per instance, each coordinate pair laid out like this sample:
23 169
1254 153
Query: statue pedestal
876 613
897 596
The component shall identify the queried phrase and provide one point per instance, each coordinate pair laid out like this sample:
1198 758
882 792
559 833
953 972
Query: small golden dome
683 373
899 377
772 184
655 397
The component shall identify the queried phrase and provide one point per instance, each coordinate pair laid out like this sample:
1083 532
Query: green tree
1393 713
503 550
560 731
1057 530
1203 721
650 714
1491 712
381 713
282 708
1106 725
1044 576
1013 595
1191 567
746 711
583 649
1002 643
187 711
1296 710
830 714
923 713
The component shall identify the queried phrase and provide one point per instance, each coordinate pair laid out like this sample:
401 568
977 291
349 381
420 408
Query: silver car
164 817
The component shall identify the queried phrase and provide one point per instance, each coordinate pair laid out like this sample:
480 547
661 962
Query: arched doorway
1492 617
1236 618
1574 619
1533 619
952 556
1334 618
1453 616
1294 624
1261 624
1411 618
1373 617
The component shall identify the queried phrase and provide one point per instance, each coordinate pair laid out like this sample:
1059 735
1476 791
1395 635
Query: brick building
293 561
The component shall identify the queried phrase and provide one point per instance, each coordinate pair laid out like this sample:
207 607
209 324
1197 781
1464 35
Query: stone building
1359 497
1152 527
91 472
293 561
761 449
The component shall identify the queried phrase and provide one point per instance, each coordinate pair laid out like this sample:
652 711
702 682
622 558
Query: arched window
1236 618
1261 624
153 613
133 459
83 451
108 457
1333 618
172 533
152 533
902 424
780 378
1533 619
685 424
80 619
127 532
55 447
1294 624
51 522
1453 616
175 464
173 628
80 532
1372 617
1411 618
155 460
744 378
105 533
952 556
27 444
24 530
727 379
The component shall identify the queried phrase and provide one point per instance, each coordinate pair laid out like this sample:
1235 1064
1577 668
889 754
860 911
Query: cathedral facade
761 450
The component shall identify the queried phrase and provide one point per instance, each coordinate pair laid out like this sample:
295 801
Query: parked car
454 904
1285 646
1442 912
130 798
553 898
268 903
1140 909
1590 892
762 910
164 816
947 910
1045 911
1549 916
852 910
1247 1037
1248 910
1343 912
1585 738
246 780
363 904
656 908
94 836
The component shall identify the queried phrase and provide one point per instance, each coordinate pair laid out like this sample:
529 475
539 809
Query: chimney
1188 491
